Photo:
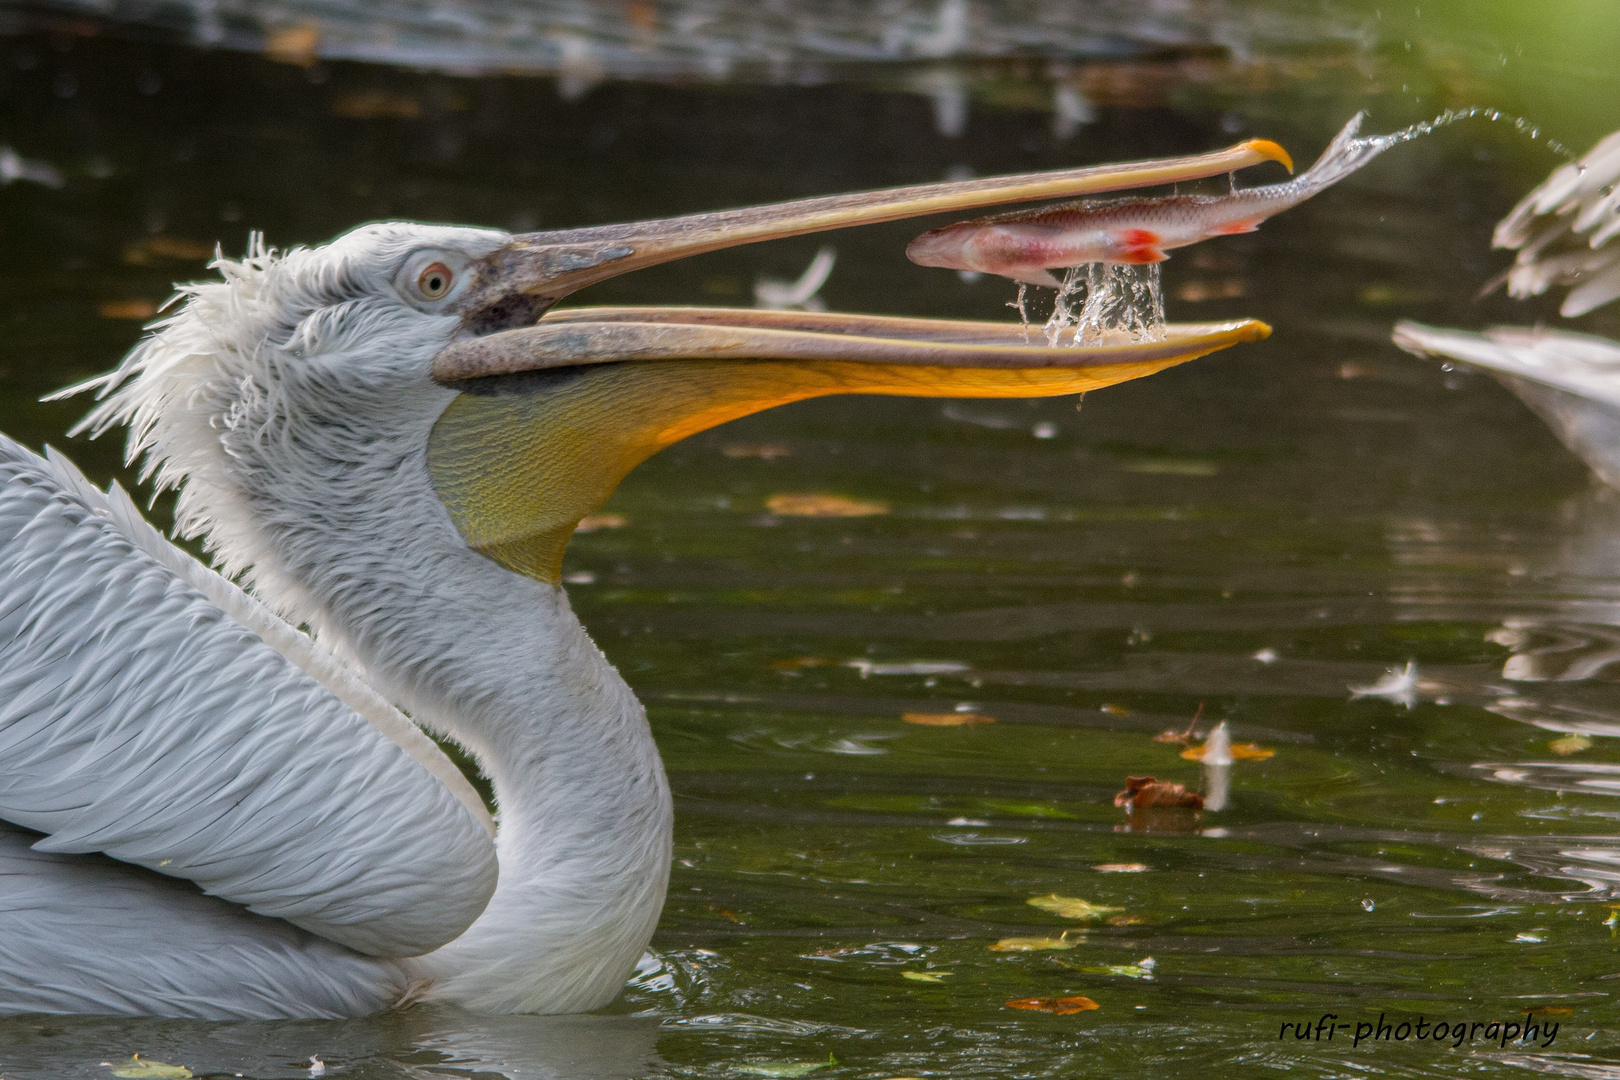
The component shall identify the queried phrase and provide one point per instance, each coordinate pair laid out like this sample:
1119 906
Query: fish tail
1343 156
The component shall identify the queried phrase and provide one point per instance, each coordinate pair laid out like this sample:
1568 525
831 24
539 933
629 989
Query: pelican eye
434 281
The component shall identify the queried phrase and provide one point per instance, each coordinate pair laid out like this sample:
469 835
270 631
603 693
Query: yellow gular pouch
519 459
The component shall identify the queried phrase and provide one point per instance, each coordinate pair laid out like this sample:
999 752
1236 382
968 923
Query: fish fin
1136 256
1034 275
1238 227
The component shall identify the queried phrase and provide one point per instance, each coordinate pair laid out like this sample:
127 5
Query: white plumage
188 731
1562 231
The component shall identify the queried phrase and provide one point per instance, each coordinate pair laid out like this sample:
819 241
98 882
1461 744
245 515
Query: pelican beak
554 413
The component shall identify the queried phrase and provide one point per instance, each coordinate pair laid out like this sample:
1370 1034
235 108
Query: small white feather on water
1398 685
784 295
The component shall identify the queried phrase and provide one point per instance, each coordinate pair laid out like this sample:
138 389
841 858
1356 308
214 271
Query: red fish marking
1238 227
1136 246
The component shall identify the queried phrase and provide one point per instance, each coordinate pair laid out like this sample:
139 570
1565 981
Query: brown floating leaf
763 451
1145 791
1127 920
1227 289
1114 710
126 309
1062 1006
146 251
293 45
1120 868
946 719
807 505
593 522
797 662
1241 751
1551 1010
376 105
725 914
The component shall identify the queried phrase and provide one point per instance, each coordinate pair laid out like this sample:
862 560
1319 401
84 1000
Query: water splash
1101 300
1451 116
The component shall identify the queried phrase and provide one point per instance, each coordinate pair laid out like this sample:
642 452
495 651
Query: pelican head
305 382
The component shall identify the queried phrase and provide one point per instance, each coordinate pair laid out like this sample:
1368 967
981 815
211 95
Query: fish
1027 245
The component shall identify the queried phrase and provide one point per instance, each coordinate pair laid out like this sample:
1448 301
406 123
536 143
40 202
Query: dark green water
1086 579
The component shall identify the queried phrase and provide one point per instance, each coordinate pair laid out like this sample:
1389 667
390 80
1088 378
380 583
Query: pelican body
206 810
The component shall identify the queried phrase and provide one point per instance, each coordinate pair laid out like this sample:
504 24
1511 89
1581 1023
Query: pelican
1561 232
217 799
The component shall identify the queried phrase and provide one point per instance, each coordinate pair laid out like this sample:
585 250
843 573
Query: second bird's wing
1572 381
153 712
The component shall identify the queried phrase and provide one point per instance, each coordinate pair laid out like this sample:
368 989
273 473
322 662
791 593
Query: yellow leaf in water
1070 907
592 522
138 1069
792 505
1127 920
1114 710
925 976
1241 751
1033 944
1569 744
946 719
1120 868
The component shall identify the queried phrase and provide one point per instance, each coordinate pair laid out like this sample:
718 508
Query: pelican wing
1572 381
151 711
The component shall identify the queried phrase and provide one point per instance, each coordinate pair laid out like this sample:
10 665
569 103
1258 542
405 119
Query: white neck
499 662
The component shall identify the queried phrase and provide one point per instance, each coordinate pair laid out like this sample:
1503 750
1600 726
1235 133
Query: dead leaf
807 505
725 914
146 251
925 976
137 1068
797 662
1034 944
1114 710
1145 791
1142 969
1120 868
376 105
1127 920
1226 289
1070 907
593 522
946 719
763 451
1551 1010
784 1069
1569 744
1241 751
138 310
293 44
1062 1006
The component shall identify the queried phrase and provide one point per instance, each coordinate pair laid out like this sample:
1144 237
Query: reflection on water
1255 533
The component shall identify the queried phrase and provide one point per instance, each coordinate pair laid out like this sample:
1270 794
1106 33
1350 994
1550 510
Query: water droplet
1367 905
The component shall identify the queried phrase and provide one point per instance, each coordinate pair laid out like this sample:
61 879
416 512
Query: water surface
1253 533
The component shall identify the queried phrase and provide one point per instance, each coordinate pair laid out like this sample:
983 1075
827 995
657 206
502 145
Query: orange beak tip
1268 149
